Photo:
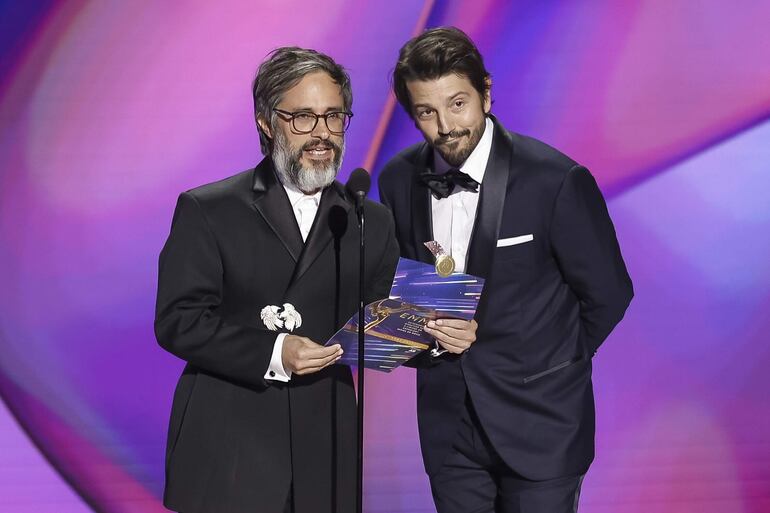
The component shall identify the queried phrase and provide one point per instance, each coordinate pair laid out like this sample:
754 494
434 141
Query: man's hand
454 335
300 355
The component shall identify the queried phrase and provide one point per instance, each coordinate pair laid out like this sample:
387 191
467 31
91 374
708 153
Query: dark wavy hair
281 71
435 53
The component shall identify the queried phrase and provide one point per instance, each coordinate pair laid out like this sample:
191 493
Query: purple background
109 109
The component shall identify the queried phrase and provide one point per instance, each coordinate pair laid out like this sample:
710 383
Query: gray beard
290 171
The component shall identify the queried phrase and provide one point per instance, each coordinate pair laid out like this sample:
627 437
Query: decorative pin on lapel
445 264
275 317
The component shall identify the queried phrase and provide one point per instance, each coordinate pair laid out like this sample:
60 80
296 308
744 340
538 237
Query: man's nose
445 127
321 130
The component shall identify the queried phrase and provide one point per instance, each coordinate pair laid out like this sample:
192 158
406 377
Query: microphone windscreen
359 181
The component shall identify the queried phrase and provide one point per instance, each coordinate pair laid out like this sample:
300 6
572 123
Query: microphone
358 185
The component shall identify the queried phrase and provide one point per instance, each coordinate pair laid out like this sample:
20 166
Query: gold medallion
445 265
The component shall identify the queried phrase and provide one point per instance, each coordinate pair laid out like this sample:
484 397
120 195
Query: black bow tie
443 185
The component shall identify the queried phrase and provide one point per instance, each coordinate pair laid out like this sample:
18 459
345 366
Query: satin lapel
272 203
490 209
422 217
328 222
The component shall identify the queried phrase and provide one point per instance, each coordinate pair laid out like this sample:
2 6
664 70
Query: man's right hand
301 355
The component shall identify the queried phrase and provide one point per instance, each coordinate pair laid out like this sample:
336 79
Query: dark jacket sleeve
386 268
384 199
587 251
187 322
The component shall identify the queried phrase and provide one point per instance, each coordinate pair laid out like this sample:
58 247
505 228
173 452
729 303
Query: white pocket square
512 241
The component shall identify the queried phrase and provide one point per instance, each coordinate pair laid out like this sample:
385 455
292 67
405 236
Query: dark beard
459 155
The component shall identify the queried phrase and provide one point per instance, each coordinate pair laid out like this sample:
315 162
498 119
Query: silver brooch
276 317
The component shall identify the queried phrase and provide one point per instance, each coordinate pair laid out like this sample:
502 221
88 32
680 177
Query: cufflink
272 374
436 352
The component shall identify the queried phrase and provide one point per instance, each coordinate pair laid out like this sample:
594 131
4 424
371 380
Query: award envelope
393 329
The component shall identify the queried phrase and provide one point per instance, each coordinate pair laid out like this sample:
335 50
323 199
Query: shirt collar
295 196
476 163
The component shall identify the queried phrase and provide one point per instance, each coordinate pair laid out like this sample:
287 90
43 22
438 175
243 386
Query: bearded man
506 410
259 268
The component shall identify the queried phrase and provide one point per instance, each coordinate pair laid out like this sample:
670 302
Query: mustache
321 145
451 135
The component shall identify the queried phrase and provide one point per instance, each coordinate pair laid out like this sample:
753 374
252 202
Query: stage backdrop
109 109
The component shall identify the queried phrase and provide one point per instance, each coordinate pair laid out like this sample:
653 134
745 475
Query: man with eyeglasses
259 268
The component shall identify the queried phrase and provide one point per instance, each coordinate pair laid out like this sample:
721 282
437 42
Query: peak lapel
273 204
330 222
422 216
490 209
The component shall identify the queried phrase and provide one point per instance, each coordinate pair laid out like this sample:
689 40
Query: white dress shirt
305 207
454 216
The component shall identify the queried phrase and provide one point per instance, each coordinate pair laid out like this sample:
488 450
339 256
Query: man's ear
488 95
264 126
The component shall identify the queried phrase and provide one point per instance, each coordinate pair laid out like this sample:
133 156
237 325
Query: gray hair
281 71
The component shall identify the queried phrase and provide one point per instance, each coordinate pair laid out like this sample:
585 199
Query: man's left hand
454 335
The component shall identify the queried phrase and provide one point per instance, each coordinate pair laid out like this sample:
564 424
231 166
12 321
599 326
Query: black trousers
474 479
289 507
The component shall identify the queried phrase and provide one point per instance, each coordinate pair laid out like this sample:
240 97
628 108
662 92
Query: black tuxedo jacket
236 441
547 305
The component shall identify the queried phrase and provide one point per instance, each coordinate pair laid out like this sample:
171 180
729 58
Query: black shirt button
272 374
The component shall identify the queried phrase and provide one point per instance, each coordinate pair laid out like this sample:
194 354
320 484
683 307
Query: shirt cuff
276 372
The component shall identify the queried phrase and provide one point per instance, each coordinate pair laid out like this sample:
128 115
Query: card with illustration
393 327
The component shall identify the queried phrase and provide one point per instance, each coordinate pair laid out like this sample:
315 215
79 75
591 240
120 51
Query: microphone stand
362 253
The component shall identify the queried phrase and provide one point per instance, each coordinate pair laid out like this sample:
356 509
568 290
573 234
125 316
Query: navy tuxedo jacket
236 442
547 305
